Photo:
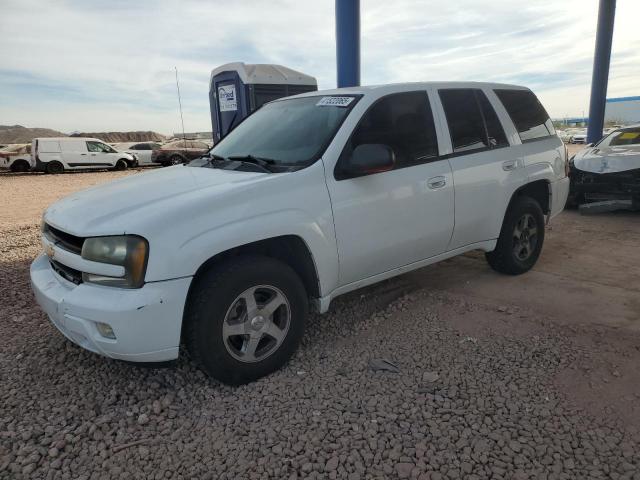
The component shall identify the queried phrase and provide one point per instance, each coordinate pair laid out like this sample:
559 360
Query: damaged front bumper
619 190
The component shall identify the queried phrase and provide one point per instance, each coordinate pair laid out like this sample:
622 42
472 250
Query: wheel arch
289 249
539 190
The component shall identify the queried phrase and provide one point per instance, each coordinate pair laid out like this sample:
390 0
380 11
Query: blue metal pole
348 42
602 58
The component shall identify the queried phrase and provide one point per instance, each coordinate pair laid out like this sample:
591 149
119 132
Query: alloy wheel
256 324
525 237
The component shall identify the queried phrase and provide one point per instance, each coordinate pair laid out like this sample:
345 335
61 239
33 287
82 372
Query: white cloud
108 65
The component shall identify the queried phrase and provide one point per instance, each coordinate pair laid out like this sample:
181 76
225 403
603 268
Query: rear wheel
521 238
245 318
176 160
55 167
20 166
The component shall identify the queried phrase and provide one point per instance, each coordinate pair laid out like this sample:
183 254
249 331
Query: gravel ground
397 381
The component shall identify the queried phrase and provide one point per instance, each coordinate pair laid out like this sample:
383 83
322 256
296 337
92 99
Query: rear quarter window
527 113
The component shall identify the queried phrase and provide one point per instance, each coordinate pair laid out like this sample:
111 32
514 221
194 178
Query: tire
521 238
20 166
121 165
223 339
55 167
176 160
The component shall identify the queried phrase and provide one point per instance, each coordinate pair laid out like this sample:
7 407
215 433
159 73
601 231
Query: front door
101 155
390 219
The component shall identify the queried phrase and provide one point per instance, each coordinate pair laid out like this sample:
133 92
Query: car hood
607 160
130 202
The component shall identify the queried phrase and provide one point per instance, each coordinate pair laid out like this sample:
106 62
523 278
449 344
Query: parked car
180 151
608 170
55 155
578 137
143 151
310 197
16 158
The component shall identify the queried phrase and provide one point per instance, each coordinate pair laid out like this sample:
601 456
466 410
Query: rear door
486 169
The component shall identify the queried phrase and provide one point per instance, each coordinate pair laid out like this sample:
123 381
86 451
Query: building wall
622 110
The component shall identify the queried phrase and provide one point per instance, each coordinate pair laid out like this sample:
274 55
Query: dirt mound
20 134
121 137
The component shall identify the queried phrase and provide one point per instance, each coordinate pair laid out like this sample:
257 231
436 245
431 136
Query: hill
20 134
118 137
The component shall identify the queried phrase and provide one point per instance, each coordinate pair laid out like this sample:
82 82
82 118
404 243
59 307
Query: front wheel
521 238
121 165
245 318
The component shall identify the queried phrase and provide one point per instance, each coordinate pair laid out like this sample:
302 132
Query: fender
197 250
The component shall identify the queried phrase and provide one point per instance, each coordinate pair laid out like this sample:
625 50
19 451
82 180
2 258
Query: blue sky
96 65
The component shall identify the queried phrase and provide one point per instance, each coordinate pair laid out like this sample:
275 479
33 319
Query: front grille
64 240
68 273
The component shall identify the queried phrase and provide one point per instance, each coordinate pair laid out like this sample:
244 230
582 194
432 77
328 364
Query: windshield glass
293 131
627 136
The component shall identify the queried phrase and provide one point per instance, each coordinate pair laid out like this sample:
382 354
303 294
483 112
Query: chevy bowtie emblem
49 251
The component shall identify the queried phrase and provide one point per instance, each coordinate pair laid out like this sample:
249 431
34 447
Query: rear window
529 116
176 144
473 124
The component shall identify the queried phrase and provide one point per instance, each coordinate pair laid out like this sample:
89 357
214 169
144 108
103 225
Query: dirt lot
497 377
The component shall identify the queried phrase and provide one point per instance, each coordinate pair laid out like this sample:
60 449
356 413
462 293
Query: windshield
293 131
624 137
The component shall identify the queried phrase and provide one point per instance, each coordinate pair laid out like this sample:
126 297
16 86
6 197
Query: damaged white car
606 176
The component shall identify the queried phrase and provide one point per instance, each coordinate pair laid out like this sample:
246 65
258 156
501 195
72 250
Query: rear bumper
146 321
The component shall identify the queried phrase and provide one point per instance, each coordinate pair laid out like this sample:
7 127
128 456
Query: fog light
106 330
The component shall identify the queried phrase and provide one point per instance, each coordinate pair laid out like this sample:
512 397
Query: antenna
184 140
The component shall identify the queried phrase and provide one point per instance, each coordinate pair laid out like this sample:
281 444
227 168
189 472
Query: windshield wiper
264 163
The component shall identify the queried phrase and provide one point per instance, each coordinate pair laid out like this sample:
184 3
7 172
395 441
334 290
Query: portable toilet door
228 94
237 89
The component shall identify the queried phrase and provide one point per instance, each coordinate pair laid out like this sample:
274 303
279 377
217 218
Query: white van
55 155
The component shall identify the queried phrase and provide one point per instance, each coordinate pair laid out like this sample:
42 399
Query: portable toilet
237 89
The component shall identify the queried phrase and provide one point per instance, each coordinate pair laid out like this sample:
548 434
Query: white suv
310 197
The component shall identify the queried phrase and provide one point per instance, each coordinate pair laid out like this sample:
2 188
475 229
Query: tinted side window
402 121
466 125
497 137
142 146
528 115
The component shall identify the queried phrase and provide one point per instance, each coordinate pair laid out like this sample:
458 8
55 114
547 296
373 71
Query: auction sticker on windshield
334 102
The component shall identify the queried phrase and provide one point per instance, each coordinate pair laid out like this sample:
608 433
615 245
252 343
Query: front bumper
559 194
146 321
594 187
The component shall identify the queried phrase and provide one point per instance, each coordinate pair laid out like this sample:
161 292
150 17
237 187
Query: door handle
83 154
436 182
509 165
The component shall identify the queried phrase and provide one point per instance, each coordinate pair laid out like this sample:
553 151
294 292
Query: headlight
128 251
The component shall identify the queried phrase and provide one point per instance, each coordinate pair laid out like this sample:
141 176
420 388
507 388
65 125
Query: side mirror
369 158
